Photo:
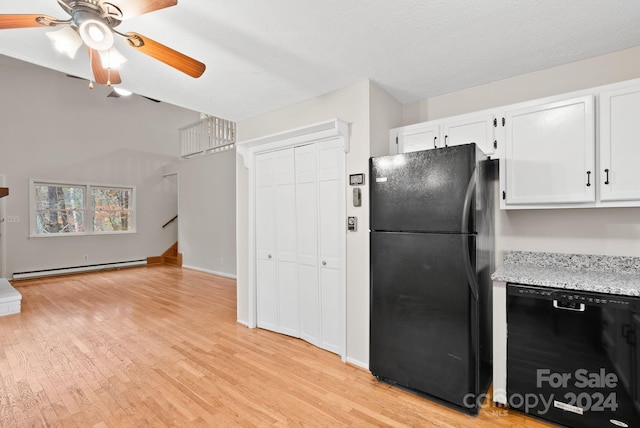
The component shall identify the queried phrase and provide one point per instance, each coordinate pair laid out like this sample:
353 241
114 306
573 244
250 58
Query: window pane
110 198
59 197
112 221
53 221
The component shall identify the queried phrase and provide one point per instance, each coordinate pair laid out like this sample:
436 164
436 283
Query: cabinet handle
269 256
324 263
435 142
606 171
588 178
445 140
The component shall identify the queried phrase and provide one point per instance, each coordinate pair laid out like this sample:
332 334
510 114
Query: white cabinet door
619 171
332 240
286 245
479 130
266 269
307 213
550 153
418 137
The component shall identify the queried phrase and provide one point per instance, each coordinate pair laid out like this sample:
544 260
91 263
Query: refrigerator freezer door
423 319
422 191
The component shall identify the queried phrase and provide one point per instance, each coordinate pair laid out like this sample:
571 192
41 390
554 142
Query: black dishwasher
572 357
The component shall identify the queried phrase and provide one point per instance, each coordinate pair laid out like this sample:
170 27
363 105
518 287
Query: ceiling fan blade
130 8
171 57
101 75
9 22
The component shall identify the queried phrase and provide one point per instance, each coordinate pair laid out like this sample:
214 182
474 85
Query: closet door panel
332 310
286 245
266 272
331 238
307 210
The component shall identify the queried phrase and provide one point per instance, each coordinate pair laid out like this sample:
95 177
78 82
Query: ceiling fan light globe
121 91
111 58
66 41
96 34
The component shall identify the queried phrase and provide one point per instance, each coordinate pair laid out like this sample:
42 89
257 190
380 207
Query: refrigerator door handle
466 212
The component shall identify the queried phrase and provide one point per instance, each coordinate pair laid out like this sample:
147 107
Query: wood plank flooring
159 346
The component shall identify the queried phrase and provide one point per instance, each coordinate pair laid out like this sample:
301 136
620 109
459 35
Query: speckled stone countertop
583 272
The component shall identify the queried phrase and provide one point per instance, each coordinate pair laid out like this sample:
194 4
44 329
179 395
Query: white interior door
300 243
3 261
307 212
286 245
331 212
266 273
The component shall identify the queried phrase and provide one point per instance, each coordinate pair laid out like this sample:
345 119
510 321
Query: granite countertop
583 272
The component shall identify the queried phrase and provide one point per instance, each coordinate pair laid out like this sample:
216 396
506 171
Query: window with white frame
63 209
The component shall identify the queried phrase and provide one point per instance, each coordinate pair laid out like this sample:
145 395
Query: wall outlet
13 219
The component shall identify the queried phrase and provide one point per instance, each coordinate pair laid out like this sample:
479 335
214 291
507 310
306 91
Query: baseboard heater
77 269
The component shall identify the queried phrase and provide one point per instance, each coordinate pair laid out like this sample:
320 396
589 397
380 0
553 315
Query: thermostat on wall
356 179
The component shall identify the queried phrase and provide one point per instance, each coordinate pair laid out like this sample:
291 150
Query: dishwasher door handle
580 308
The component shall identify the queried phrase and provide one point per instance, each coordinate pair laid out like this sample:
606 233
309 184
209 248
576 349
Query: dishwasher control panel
573 299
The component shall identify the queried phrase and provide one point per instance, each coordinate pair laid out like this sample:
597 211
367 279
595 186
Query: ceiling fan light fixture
96 34
111 58
66 41
121 91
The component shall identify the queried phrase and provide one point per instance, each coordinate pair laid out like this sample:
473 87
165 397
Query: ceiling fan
93 23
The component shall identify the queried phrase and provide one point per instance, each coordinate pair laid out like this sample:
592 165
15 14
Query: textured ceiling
263 55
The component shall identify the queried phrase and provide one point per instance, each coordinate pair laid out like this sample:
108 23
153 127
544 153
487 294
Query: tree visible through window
111 209
60 209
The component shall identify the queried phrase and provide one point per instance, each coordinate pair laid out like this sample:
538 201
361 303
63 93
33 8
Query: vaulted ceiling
263 55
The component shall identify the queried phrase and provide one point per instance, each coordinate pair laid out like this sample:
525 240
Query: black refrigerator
432 252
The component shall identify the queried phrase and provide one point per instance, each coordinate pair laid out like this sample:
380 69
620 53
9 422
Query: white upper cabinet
548 150
476 128
422 136
619 169
550 153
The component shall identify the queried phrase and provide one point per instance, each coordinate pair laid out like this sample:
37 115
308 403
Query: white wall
207 212
385 113
601 70
613 231
350 104
54 128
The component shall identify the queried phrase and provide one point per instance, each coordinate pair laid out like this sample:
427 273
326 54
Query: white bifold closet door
300 243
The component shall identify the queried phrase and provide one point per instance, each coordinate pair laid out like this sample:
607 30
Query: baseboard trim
242 322
357 363
212 272
77 269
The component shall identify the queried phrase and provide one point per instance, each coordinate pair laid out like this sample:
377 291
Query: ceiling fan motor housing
93 26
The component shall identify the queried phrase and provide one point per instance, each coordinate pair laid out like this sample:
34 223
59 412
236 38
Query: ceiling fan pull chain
90 71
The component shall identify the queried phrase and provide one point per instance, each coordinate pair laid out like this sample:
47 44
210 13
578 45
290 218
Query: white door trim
292 138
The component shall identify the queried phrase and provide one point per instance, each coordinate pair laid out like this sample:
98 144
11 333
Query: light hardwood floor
160 347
